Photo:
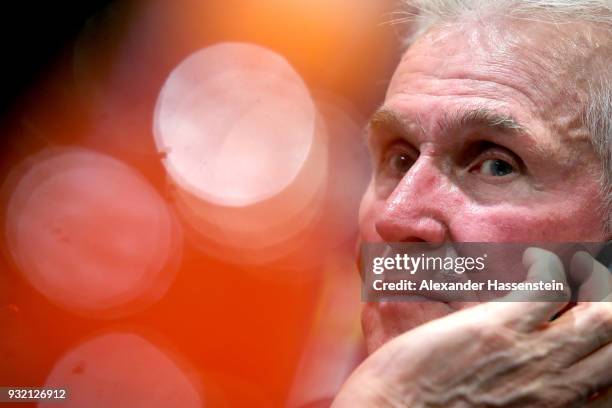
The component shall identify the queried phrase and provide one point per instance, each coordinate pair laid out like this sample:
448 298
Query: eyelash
487 151
496 153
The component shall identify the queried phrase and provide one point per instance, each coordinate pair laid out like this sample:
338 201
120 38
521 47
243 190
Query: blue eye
496 168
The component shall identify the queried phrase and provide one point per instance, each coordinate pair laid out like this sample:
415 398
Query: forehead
499 60
523 69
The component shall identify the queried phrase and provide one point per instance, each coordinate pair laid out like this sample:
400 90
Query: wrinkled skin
435 179
519 358
522 171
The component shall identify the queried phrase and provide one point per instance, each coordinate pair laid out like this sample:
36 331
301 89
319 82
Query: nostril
413 239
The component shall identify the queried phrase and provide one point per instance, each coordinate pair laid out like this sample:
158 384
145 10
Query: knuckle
601 312
498 336
599 317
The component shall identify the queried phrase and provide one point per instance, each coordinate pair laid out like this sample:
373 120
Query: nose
416 209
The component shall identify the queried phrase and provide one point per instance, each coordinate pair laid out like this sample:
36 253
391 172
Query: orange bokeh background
275 323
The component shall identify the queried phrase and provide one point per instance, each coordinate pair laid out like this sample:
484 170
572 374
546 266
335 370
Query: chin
383 321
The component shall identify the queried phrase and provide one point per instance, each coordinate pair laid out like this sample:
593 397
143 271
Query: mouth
415 274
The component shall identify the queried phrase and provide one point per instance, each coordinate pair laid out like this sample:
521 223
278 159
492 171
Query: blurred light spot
332 220
265 231
236 123
122 370
245 151
90 233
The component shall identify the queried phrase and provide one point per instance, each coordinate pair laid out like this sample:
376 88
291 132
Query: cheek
384 321
512 223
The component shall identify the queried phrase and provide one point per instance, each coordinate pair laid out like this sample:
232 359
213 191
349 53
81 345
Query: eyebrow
480 117
389 120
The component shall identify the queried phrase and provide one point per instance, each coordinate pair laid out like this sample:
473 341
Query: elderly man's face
479 140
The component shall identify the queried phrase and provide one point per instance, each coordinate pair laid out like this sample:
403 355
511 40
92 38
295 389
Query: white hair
597 110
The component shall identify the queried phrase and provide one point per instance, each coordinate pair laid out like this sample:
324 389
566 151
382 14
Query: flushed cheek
525 224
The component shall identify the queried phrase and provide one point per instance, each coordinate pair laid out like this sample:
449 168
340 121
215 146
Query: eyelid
401 145
495 152
498 152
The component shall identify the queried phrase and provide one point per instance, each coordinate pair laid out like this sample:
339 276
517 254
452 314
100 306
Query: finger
595 279
593 374
580 331
542 266
526 310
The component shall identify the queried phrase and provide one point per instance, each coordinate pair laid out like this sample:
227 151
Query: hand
594 278
502 354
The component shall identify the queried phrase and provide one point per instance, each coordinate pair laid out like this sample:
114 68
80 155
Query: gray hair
597 112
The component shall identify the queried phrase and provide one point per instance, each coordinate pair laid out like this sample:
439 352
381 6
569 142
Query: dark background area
32 34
